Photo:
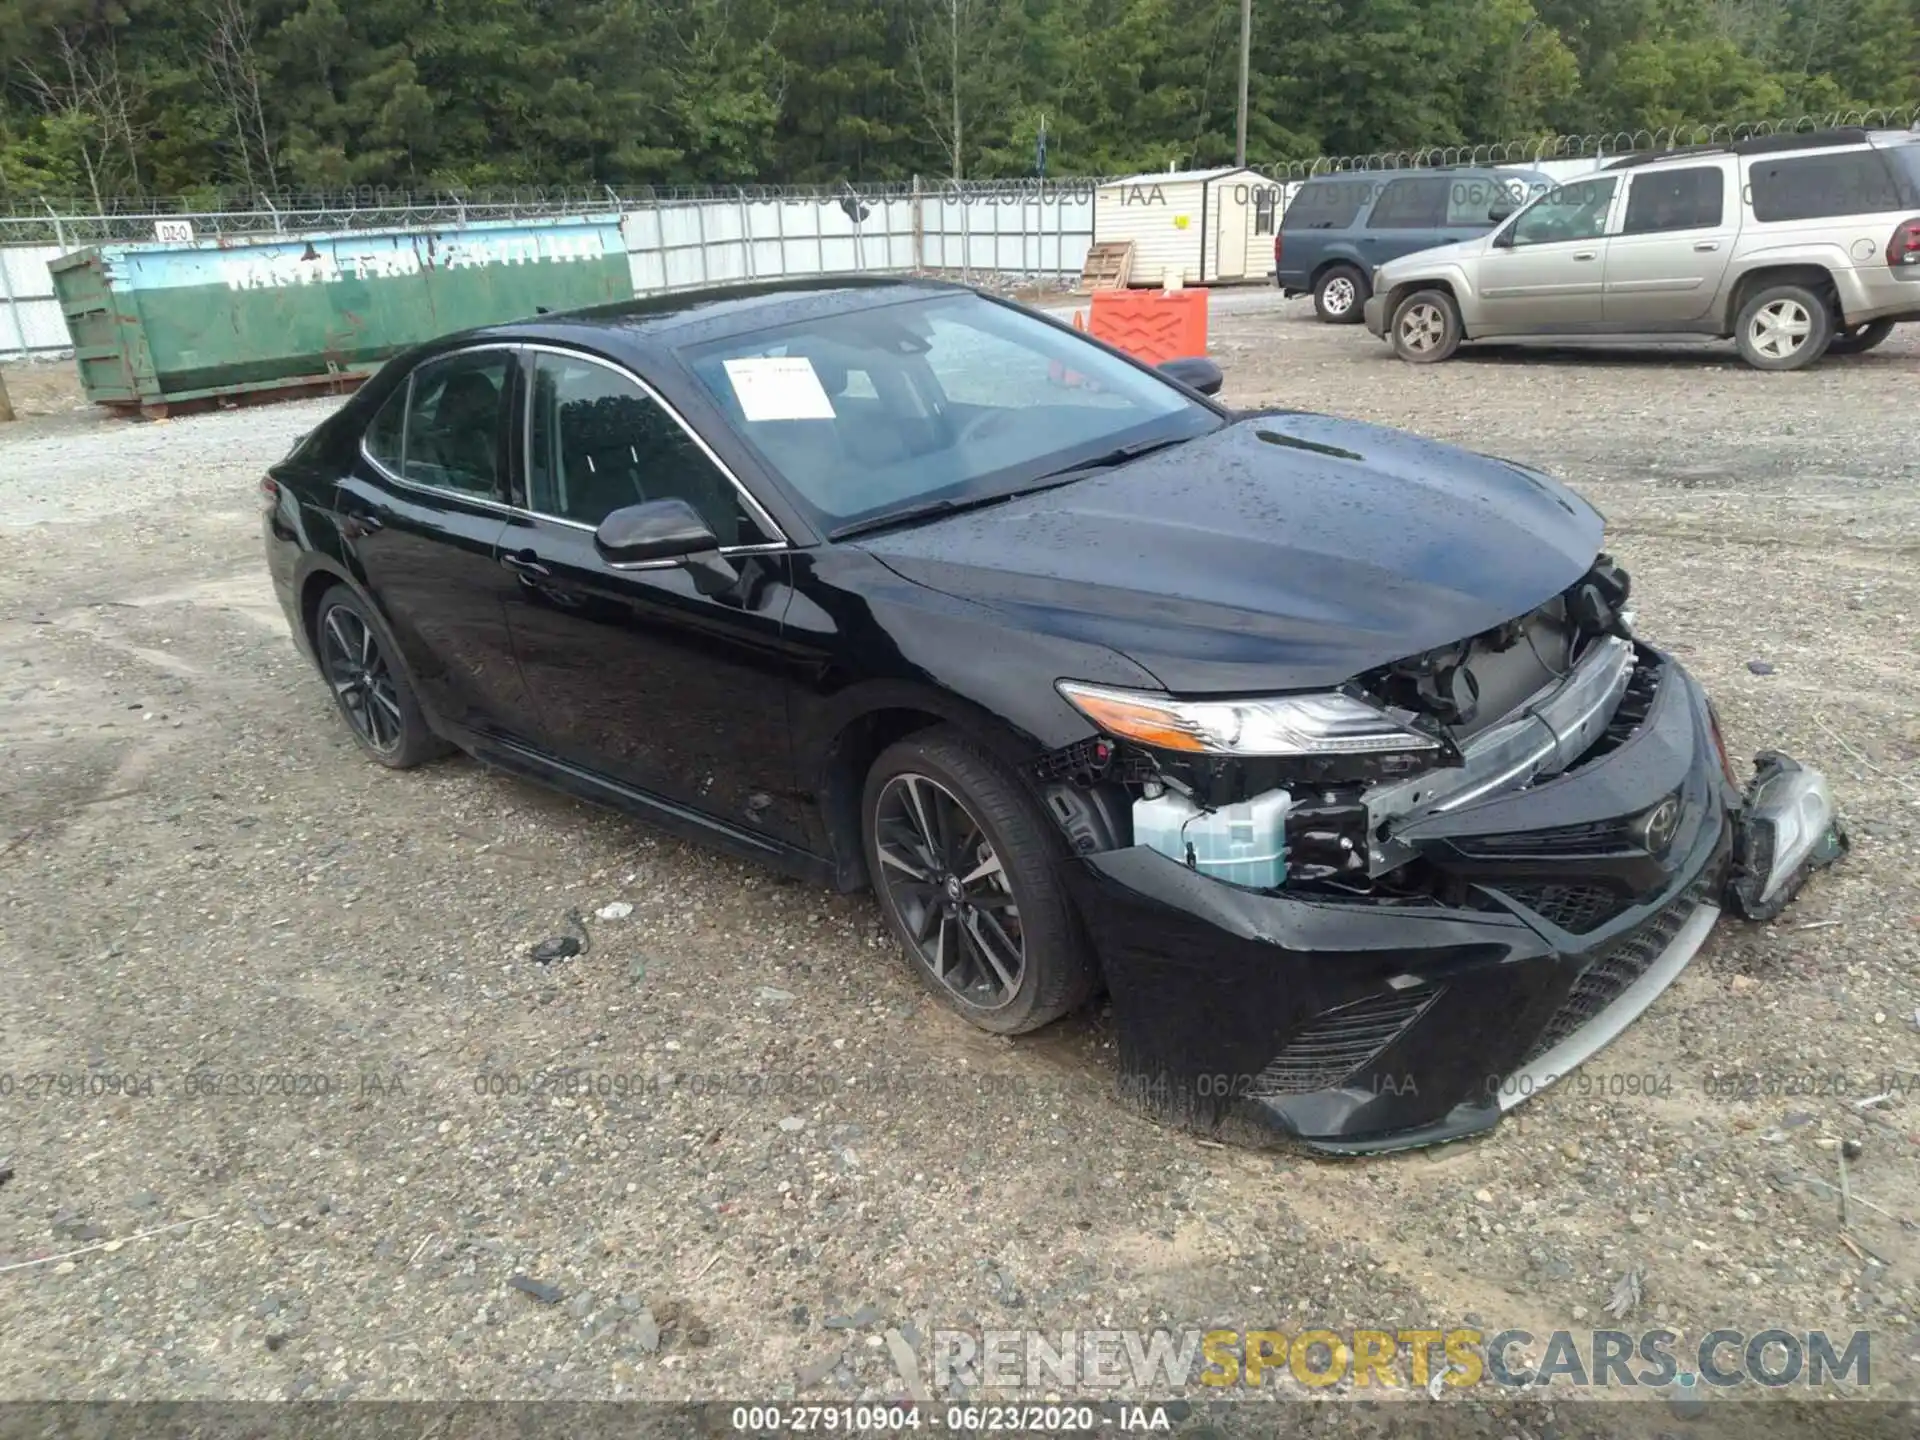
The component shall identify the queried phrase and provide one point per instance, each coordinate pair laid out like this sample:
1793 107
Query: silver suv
1793 245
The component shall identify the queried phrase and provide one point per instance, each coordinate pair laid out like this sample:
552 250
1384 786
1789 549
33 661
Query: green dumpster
162 324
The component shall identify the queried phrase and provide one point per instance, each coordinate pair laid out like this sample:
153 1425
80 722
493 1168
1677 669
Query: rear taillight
269 494
1904 248
1276 250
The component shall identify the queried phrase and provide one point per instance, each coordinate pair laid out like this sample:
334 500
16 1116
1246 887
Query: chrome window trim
406 425
755 510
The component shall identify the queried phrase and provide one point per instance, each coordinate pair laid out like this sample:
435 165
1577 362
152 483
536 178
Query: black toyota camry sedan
1330 753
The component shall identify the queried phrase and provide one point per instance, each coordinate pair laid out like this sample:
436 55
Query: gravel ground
417 1131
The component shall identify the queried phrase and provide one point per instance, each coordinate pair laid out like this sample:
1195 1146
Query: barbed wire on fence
1596 146
70 221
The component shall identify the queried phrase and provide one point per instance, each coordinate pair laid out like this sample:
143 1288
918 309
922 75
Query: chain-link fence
71 221
679 236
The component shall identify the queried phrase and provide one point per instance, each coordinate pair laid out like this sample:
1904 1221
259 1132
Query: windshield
953 398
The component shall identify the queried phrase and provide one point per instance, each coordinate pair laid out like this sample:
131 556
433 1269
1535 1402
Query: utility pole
953 14
1246 52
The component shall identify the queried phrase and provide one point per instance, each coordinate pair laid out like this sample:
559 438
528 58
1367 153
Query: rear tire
965 867
369 686
1783 327
1340 295
1860 339
1426 327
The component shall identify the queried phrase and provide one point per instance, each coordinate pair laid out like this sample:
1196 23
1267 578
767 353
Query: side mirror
668 529
1196 372
1498 211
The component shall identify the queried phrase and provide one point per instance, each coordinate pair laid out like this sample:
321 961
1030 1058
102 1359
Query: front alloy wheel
966 866
950 891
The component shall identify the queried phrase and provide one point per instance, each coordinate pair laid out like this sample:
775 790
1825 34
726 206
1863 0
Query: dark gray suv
1337 228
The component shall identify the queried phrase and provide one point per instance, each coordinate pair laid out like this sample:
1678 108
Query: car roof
691 317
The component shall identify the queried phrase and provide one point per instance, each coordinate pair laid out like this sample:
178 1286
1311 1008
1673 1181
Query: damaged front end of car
1380 916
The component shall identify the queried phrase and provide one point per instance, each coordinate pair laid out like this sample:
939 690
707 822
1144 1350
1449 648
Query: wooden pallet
1109 266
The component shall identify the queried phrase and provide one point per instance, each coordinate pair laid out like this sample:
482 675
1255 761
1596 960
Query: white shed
1209 225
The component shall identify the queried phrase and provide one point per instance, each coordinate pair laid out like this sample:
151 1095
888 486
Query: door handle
361 522
1584 254
1707 245
525 562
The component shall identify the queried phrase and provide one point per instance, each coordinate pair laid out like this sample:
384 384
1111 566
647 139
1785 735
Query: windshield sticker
779 387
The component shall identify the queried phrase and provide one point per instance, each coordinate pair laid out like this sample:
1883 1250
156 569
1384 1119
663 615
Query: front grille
1576 909
1609 974
1601 837
1343 1040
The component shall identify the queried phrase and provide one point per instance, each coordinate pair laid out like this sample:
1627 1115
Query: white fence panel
30 319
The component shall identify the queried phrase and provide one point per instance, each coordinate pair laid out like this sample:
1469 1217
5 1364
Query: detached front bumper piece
1371 1024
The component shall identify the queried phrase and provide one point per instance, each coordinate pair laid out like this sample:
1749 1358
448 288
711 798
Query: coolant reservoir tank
1244 844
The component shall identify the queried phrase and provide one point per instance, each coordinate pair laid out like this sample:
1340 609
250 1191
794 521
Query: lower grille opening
1336 1044
1609 974
1577 909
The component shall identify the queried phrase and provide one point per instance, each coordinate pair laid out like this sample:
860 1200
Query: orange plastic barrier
1152 325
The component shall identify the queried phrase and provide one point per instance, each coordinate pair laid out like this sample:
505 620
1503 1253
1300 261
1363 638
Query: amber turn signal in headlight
1320 724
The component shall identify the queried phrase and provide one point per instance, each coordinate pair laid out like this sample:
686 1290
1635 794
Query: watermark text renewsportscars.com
1372 1361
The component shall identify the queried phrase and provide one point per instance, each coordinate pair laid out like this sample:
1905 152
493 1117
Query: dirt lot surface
361 1112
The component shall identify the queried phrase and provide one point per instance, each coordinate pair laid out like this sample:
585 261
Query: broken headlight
1326 724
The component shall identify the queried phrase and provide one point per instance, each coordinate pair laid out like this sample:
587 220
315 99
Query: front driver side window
453 422
599 443
1574 211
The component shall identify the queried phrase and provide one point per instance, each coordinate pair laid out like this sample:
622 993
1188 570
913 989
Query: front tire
1340 295
1426 327
965 868
1860 339
369 687
1783 327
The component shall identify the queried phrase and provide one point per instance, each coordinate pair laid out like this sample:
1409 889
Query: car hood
1281 552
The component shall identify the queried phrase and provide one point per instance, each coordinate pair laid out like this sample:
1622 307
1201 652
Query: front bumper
1374 313
1363 1025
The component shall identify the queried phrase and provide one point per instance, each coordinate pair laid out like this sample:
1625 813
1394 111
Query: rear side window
388 430
1411 205
1675 200
1326 204
453 421
1807 187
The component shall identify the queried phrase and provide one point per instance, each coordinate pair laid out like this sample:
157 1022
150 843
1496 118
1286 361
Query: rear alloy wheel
1783 327
373 695
1426 327
1341 295
963 864
1860 339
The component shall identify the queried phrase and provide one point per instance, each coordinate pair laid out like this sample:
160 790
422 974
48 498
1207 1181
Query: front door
665 678
1546 270
421 514
1665 265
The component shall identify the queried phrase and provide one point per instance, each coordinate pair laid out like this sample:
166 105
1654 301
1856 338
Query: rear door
1410 214
1545 270
1675 237
422 513
666 676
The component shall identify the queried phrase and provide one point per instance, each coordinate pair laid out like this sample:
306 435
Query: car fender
1451 274
1757 253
